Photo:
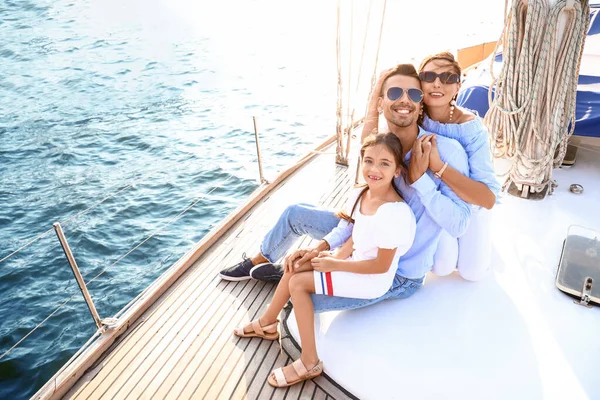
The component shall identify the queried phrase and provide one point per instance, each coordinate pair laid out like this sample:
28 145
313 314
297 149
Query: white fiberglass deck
513 335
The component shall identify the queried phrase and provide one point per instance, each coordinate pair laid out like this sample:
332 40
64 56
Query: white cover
513 335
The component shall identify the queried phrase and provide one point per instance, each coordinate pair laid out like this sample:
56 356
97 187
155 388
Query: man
435 205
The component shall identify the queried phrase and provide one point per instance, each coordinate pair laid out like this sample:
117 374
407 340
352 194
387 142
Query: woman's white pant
470 254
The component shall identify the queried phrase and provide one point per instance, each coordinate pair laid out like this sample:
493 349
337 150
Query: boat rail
103 324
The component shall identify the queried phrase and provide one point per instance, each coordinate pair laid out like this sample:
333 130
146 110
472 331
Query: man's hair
404 70
447 59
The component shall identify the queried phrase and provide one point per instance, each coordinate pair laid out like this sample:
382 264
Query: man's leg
296 220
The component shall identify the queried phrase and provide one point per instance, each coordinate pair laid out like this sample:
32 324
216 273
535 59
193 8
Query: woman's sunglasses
445 77
415 95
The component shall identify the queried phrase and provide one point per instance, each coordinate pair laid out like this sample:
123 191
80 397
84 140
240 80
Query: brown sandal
303 374
258 331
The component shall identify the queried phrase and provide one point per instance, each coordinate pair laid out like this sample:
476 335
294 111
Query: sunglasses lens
427 76
394 93
445 77
415 95
448 77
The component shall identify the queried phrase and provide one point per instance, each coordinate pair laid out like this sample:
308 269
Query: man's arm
447 209
339 235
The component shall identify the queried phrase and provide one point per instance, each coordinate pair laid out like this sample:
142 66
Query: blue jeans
305 219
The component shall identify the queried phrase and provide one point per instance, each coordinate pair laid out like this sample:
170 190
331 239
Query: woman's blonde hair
446 57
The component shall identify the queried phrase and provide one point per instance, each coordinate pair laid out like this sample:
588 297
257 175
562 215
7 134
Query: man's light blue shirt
436 208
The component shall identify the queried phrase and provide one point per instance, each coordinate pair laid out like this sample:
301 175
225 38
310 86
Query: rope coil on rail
534 101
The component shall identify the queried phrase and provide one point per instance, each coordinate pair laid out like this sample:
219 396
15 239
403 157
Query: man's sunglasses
445 77
415 95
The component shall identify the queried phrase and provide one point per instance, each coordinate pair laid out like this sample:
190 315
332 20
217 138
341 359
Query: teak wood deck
183 348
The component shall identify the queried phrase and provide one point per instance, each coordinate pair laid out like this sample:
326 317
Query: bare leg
301 285
279 300
258 259
282 295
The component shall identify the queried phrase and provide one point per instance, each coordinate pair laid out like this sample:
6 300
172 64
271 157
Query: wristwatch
441 171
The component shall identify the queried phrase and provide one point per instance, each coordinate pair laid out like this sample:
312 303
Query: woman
440 82
363 268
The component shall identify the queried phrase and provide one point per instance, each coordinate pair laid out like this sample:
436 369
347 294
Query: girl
364 267
440 82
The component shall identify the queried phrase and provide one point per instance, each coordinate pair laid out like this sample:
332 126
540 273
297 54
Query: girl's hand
435 162
324 264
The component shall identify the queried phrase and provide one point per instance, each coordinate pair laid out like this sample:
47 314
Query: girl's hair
393 144
446 59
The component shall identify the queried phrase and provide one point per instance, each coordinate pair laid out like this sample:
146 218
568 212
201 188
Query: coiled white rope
535 93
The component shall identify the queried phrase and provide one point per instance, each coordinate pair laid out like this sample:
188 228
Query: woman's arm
372 118
379 265
471 191
371 124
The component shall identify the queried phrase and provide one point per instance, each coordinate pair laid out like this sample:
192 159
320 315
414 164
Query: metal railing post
260 169
78 277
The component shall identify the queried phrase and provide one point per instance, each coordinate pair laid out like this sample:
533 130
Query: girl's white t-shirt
392 226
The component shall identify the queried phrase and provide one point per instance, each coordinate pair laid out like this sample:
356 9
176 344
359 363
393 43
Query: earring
380 109
452 104
421 110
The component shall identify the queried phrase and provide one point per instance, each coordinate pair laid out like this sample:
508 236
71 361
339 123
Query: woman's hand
435 162
380 81
325 264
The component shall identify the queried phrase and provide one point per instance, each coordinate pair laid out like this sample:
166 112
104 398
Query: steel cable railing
155 232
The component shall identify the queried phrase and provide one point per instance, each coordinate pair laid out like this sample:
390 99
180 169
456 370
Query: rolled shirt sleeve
481 168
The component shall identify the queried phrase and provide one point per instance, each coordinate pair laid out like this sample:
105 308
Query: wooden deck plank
319 394
130 340
200 278
245 373
218 330
203 342
183 346
280 393
135 356
210 362
308 390
186 334
259 387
